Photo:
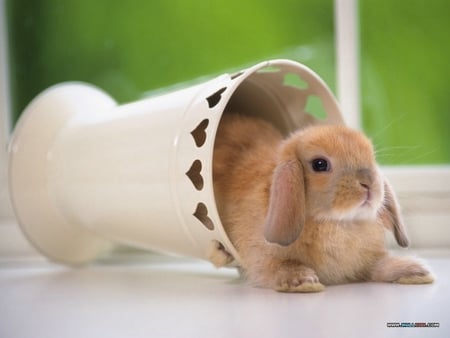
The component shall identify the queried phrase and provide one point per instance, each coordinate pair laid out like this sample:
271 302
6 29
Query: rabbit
306 211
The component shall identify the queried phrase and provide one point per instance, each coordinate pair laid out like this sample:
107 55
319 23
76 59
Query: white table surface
161 296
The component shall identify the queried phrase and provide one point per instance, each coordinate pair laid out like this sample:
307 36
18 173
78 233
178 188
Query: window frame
423 191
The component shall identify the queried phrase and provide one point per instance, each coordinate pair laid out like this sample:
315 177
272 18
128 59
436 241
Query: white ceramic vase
86 173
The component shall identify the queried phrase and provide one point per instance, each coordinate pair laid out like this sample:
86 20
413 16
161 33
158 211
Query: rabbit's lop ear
391 218
286 212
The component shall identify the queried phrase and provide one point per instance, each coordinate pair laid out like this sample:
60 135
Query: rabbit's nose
367 191
365 186
365 177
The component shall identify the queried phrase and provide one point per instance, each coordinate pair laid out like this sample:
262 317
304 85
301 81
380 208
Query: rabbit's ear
391 218
286 212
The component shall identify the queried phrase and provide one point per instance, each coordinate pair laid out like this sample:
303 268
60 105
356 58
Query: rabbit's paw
297 278
415 274
416 279
218 255
402 270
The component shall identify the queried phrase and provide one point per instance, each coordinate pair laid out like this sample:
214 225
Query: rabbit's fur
296 228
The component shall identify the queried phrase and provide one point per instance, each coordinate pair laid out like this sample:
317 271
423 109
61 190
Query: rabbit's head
328 173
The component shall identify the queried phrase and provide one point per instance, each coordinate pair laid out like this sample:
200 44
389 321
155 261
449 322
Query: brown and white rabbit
308 210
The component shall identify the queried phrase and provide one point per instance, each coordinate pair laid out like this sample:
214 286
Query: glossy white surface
158 296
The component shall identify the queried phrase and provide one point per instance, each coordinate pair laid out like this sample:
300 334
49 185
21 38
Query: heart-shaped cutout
194 174
199 133
201 213
294 80
214 99
234 76
314 107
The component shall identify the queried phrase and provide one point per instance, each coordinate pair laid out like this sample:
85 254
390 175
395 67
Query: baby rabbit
306 211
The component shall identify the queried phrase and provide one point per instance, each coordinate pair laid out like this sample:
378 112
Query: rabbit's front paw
297 278
218 255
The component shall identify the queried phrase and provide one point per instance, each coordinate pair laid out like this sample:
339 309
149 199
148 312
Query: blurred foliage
405 55
129 48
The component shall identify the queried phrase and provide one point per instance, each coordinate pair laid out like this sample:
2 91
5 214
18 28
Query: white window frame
423 191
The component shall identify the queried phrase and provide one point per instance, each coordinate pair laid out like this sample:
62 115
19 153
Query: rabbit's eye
320 164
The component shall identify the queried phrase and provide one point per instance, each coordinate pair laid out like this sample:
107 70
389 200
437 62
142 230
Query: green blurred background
405 55
130 48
